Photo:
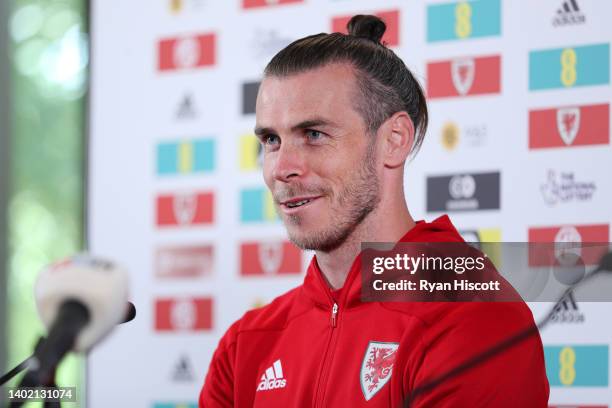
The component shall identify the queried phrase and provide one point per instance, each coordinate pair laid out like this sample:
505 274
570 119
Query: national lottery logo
564 187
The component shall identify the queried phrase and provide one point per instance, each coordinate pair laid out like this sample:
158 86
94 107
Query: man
338 116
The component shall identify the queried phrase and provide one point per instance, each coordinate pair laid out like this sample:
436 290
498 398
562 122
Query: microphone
80 300
130 313
604 266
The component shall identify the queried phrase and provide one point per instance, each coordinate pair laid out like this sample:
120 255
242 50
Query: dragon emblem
376 367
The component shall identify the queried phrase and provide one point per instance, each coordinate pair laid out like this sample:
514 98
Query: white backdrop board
518 147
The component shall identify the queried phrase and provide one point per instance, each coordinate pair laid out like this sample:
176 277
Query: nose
288 163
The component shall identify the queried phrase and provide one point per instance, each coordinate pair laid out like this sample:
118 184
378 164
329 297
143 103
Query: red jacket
307 350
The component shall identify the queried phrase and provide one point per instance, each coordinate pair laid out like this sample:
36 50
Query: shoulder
492 349
470 318
273 316
483 322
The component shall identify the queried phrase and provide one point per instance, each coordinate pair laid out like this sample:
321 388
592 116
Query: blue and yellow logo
193 156
175 405
569 67
577 366
463 20
250 153
257 205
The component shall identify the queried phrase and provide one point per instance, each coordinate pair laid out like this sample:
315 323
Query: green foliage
49 56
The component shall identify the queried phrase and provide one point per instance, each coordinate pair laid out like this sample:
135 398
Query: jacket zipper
326 360
334 315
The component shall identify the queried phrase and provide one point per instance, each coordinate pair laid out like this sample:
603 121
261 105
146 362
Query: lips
297 202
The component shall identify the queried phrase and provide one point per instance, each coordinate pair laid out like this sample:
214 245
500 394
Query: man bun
366 26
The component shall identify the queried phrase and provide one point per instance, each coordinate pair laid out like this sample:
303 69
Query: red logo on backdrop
186 52
568 239
183 314
264 3
270 258
184 262
464 76
569 126
185 209
391 19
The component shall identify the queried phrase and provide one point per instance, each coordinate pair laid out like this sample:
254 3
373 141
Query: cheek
267 172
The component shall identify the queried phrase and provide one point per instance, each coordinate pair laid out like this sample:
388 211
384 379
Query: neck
385 224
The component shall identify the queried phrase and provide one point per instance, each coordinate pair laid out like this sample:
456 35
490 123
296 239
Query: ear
397 138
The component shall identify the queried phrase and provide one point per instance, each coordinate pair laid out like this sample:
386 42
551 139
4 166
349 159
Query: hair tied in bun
367 26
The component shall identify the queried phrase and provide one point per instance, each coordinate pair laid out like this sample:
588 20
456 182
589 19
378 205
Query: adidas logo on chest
273 378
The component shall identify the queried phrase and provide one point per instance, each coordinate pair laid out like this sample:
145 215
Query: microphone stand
41 366
507 343
24 365
30 364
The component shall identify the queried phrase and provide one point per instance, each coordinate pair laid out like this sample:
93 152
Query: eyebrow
260 131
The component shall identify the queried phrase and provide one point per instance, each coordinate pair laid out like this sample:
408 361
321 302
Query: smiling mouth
298 202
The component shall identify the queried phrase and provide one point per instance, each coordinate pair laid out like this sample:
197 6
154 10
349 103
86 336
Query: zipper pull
334 314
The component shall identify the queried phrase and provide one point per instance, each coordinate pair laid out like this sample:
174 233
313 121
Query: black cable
25 364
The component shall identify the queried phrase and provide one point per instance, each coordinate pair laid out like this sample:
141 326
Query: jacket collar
318 291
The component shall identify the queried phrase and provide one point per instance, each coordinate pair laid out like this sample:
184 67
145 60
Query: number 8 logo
567 372
568 67
463 24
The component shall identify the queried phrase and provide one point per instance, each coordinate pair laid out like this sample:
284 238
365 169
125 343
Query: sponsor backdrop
518 150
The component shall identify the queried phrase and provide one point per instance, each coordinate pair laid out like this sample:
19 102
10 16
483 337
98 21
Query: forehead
328 91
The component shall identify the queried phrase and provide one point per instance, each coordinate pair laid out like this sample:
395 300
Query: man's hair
385 84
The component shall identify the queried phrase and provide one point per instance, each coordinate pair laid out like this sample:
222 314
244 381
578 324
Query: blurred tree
49 56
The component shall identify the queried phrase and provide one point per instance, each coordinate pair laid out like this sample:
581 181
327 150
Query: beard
357 199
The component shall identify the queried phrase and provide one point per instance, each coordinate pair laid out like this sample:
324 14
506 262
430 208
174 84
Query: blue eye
270 140
314 134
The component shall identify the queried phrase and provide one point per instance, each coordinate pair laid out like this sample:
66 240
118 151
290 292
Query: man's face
319 161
